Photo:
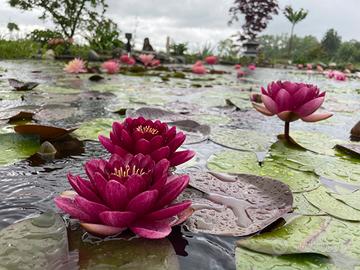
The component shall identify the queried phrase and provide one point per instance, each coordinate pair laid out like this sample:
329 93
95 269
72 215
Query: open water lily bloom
131 192
292 101
154 138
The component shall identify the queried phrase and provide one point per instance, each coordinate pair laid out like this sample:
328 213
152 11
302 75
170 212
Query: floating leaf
96 78
155 114
242 162
123 254
36 243
303 207
236 205
46 133
352 149
241 139
22 86
338 186
249 260
327 236
15 147
352 199
92 129
195 133
211 119
327 203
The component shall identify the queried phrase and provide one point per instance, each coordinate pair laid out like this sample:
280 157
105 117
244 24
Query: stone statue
147 46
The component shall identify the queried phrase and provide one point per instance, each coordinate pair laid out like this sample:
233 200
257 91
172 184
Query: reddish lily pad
236 205
44 132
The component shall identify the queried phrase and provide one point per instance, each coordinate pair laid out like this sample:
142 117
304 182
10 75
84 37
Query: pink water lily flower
111 67
131 61
155 63
337 75
211 60
75 66
240 73
252 67
146 59
130 192
309 66
292 101
199 68
154 138
128 60
237 66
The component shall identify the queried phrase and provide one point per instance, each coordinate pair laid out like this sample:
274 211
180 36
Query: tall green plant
294 17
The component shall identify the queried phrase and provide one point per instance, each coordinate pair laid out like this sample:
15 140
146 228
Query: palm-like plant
294 17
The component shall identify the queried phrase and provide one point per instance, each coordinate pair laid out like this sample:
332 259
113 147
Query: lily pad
249 260
352 199
92 129
241 139
36 243
15 147
123 254
303 207
22 86
243 162
236 205
154 114
327 203
211 119
352 149
327 236
195 133
44 132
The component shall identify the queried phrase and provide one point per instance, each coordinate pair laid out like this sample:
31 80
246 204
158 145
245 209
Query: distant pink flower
75 66
237 66
198 68
211 60
300 66
309 66
146 59
155 63
319 68
337 75
198 63
131 61
251 67
124 59
111 67
130 192
240 73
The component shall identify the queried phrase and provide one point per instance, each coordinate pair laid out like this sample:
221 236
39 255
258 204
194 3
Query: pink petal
168 212
117 219
288 116
170 134
160 174
142 146
116 195
68 206
316 117
106 142
262 109
310 107
264 92
160 153
83 188
176 142
101 230
126 139
300 96
269 104
181 157
91 208
144 202
172 190
99 183
290 87
282 100
151 229
183 216
156 142
135 185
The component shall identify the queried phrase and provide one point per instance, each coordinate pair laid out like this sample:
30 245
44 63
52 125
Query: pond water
27 187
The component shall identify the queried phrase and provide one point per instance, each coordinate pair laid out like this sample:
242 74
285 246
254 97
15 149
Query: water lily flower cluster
146 59
337 75
128 60
199 68
111 67
292 101
75 66
134 189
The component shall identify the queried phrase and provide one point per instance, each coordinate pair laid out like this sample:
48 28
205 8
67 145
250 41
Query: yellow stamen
125 172
147 129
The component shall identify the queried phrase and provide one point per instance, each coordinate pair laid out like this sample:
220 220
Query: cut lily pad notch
235 205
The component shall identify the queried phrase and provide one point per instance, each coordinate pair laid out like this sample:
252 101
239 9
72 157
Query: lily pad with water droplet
241 139
15 147
250 260
235 205
211 119
92 129
303 207
36 243
352 199
195 133
327 203
155 114
336 239
243 162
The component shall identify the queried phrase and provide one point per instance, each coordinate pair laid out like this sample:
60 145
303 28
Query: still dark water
28 187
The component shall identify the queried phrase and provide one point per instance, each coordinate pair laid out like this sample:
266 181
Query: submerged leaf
236 205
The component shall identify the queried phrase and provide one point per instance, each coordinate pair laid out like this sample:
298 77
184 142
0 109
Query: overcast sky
201 21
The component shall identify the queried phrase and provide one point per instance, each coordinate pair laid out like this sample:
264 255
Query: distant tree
257 14
68 15
294 17
12 27
331 42
228 49
349 52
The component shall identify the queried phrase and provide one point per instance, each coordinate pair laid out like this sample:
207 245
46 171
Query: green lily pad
137 253
241 139
211 119
92 129
324 201
243 162
249 260
352 199
36 243
336 239
15 147
303 207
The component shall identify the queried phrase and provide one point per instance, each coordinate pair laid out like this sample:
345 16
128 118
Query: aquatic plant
155 63
252 67
237 66
198 68
154 138
211 60
146 59
292 101
240 73
111 67
337 75
75 66
130 192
